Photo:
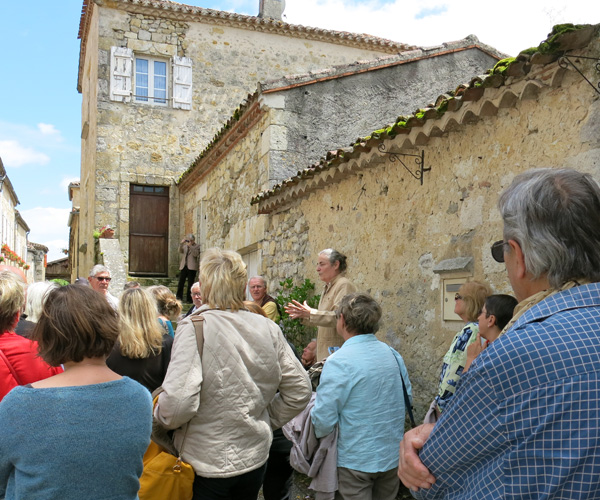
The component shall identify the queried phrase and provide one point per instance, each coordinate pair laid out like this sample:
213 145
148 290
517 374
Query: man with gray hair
525 420
99 280
257 286
188 266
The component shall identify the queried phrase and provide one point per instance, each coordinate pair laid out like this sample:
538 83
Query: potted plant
107 232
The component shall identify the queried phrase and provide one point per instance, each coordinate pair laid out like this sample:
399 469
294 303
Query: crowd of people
515 413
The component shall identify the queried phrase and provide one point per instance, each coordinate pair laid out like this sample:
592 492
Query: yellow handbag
166 476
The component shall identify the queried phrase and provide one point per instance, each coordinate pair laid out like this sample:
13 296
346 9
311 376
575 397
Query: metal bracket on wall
568 59
418 159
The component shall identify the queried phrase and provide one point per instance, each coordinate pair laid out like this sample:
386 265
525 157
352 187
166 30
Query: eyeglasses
498 251
102 278
458 296
197 294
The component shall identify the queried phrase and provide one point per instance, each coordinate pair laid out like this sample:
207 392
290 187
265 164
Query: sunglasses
458 296
102 278
498 251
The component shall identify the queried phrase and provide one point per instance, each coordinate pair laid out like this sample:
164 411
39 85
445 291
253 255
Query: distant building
14 232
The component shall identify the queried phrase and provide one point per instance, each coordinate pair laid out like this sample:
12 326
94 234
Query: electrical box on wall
451 286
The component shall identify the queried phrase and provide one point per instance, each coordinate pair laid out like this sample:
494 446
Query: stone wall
151 144
218 208
331 114
394 231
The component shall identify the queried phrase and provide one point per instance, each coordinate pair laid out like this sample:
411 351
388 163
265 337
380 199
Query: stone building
412 241
288 123
158 79
14 233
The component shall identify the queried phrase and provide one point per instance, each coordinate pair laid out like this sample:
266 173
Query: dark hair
361 313
335 256
76 323
502 307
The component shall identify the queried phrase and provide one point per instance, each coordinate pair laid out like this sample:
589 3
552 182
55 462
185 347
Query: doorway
148 230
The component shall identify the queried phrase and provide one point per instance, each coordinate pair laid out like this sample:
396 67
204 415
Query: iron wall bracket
418 159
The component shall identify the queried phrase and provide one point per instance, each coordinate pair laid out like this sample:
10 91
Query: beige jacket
189 256
324 317
228 405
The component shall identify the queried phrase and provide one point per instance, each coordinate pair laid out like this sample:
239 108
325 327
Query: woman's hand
297 310
411 471
473 351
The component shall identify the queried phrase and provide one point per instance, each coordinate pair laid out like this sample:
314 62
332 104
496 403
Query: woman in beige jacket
330 267
226 404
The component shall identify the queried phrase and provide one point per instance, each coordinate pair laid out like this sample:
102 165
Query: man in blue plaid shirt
525 419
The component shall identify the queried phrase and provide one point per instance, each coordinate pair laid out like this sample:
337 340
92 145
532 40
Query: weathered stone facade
396 232
130 142
288 124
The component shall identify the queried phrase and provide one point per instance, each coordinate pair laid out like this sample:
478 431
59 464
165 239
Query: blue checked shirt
525 420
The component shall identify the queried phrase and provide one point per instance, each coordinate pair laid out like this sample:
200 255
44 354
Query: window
151 81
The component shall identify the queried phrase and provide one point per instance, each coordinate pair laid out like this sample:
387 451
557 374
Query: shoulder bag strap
198 321
10 367
407 405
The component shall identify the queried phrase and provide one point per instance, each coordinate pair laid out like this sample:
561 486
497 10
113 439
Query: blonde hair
253 307
223 279
140 332
473 295
12 297
166 302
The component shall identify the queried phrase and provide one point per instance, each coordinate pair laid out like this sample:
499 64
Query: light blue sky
40 108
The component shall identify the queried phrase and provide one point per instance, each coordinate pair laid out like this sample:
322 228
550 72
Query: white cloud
64 184
403 21
49 227
14 154
49 129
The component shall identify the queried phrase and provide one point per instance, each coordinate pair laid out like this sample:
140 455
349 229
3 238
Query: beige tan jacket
324 317
189 256
229 404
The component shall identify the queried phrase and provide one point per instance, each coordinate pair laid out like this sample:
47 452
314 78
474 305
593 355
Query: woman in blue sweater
82 433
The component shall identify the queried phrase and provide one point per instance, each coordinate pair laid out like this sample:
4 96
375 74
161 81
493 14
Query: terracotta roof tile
502 87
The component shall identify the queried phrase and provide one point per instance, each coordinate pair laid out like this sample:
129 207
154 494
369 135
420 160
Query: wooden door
148 230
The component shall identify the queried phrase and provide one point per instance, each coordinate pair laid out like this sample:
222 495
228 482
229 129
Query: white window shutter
121 67
182 82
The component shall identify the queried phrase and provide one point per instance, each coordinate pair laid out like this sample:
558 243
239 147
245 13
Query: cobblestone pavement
300 490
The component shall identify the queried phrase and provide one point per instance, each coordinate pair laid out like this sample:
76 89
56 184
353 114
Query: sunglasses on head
498 251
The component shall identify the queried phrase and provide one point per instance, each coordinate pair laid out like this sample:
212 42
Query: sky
40 108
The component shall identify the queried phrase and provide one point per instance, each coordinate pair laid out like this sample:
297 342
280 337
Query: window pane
159 189
160 82
138 189
141 79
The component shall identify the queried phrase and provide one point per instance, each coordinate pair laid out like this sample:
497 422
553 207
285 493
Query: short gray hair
98 268
335 256
554 215
262 280
361 313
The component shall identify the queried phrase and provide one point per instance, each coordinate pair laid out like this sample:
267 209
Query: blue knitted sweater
74 443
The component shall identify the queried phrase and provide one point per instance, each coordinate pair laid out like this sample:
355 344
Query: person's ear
519 259
491 320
